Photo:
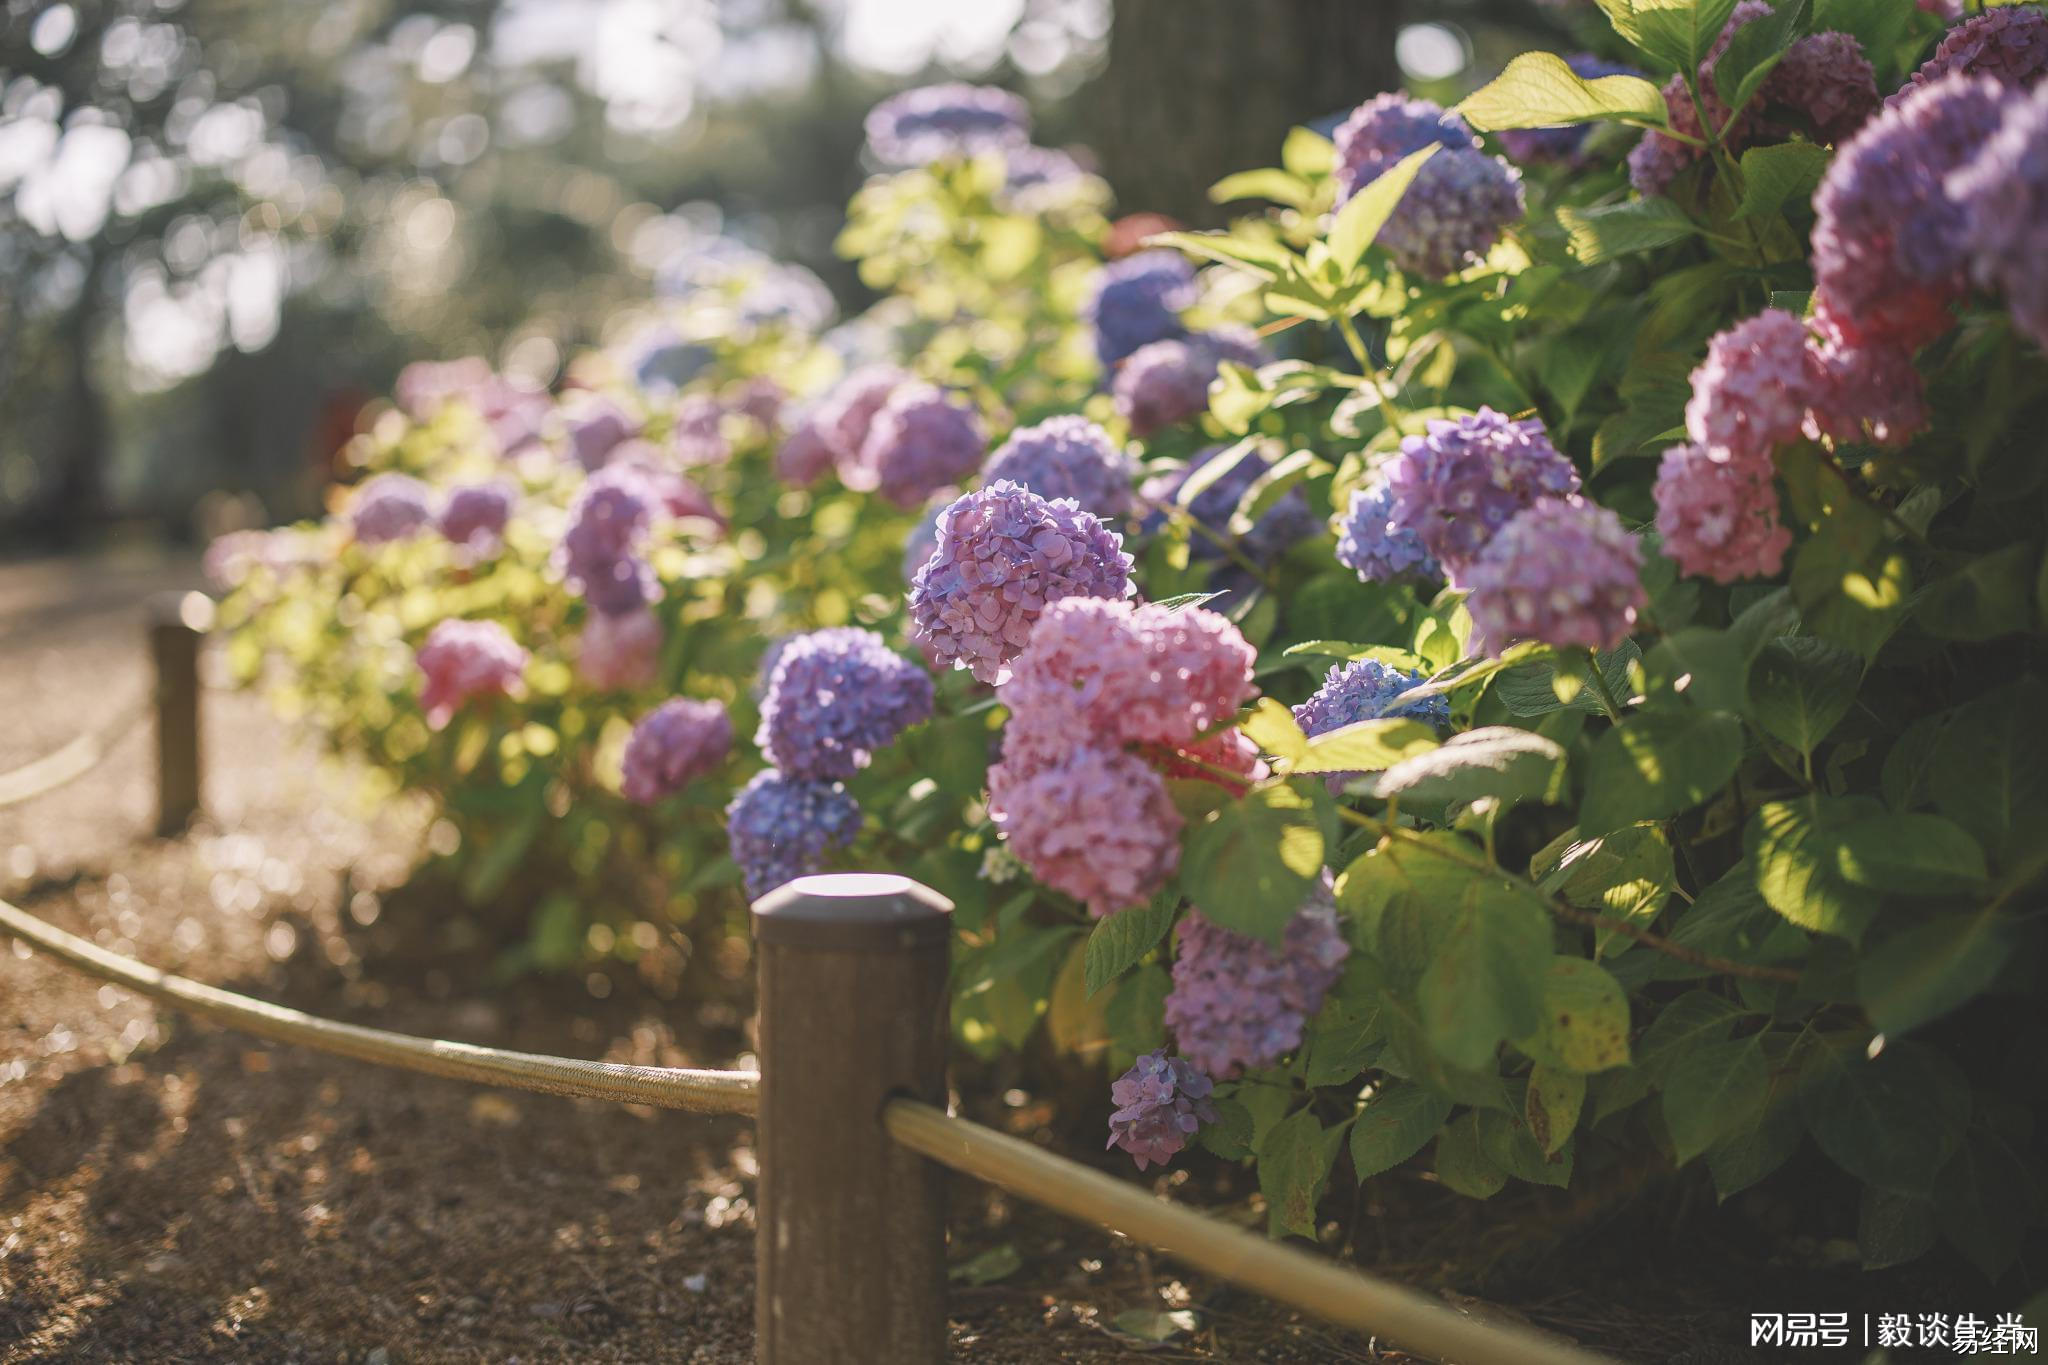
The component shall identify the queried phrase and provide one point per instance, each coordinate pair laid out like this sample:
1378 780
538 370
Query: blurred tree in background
224 222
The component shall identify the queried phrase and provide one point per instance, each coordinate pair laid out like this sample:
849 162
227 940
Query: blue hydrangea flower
1366 689
1161 1102
918 127
836 696
1137 300
1370 543
1067 457
1004 554
781 828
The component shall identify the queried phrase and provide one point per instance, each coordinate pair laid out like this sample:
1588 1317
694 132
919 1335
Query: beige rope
1314 1284
71 762
706 1092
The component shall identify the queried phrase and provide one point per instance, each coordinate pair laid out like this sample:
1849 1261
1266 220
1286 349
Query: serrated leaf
1119 940
1917 976
1294 1166
1281 477
1531 689
1267 260
1777 175
1273 728
1503 762
1991 761
1358 222
1487 980
1182 601
1462 1164
1913 854
1366 746
1538 90
1801 687
1594 236
1250 868
1712 1090
1584 1018
1754 51
1795 847
1656 764
1397 1122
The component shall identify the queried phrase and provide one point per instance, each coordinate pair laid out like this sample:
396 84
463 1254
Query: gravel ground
170 1191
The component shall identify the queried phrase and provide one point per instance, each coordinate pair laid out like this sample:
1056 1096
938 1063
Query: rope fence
74 760
853 1021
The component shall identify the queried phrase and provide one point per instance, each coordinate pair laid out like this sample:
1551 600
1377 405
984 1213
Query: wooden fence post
177 625
851 1228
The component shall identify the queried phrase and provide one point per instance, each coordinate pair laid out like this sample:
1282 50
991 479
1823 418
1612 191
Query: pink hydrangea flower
1564 572
1719 520
1826 77
673 745
1752 393
620 651
1865 393
464 659
849 409
805 455
1097 825
2008 43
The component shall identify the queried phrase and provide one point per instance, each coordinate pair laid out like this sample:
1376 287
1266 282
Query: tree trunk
1196 89
79 498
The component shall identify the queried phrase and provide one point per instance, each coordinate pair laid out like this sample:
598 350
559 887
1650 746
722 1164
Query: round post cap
861 910
192 610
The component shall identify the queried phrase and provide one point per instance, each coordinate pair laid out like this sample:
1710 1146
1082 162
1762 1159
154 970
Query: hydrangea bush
1520 658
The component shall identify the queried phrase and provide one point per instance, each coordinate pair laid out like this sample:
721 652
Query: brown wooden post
851 1228
177 625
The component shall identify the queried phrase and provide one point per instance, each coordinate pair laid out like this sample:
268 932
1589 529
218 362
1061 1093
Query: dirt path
173 1192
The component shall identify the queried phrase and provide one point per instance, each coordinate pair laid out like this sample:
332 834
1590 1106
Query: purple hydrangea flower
1138 300
1097 825
390 507
2004 194
1564 145
671 746
1656 160
805 455
1865 393
1387 128
1366 689
598 555
597 426
836 696
1237 1004
464 659
1067 457
475 514
1038 178
918 127
848 411
1282 525
780 828
1828 80
921 440
1004 554
1719 519
2008 43
1161 1102
1455 487
1167 382
619 652
1751 394
1564 572
1375 547
1888 241
698 436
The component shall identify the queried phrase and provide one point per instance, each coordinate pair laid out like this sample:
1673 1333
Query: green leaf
1539 90
1980 1201
1992 760
1910 855
1741 1159
1906 764
1182 601
1594 236
1552 1104
1306 152
1801 687
1230 1136
1294 1166
1934 967
1627 875
1487 979
1280 478
1775 176
1731 919
1136 1014
1693 1020
1893 1120
1273 728
1397 1122
1366 746
1462 1164
1893 1228
1362 216
1396 894
997 1263
1270 183
1251 867
1499 761
1584 1022
1119 940
1268 260
1754 50
1508 1144
1157 1325
1795 845
1707 668
1538 688
1712 1090
1678 32
1657 764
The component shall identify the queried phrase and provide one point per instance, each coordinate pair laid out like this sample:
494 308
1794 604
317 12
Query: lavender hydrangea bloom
698 435
1366 689
475 514
1888 241
390 507
918 127
921 440
804 456
1452 213
598 554
1564 572
781 827
1067 457
1005 553
2008 43
1828 80
1138 300
596 426
1039 178
923 537
1161 1102
1456 486
1370 543
846 413
1237 1004
673 745
1287 521
2004 193
463 659
1562 145
1387 128
836 696
1167 382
